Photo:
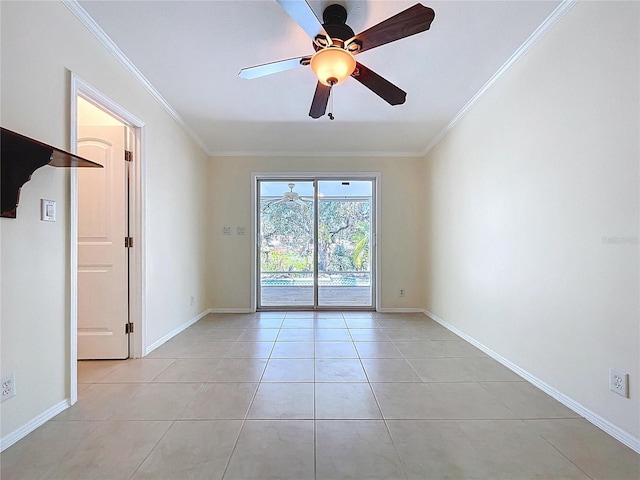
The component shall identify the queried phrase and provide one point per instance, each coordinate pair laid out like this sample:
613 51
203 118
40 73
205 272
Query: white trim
255 176
560 11
101 101
308 154
73 250
254 241
232 310
137 260
31 425
138 265
400 310
175 332
95 29
375 264
600 422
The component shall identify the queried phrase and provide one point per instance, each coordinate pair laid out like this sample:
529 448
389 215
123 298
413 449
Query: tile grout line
315 408
561 453
384 420
246 415
152 449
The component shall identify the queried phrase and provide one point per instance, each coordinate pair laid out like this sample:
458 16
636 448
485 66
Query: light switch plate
47 210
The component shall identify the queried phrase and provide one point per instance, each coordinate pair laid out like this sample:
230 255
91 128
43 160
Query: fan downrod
335 18
334 15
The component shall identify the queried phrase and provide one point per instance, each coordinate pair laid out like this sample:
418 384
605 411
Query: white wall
41 43
399 236
524 195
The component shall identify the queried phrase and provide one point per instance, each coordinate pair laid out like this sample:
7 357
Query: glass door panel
286 243
344 243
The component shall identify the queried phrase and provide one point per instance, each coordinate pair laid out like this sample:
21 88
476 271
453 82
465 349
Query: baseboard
27 428
600 422
380 310
400 310
231 310
175 332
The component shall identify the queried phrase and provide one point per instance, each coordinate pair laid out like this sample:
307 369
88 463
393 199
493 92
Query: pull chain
331 117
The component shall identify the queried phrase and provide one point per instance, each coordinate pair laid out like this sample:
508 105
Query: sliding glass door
344 234
286 248
314 243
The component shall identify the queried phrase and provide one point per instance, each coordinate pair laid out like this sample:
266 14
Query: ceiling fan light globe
332 65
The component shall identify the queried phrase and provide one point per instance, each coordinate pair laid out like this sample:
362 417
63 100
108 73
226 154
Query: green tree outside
286 230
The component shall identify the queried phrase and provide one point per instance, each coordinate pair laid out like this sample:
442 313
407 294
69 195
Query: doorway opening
106 232
315 245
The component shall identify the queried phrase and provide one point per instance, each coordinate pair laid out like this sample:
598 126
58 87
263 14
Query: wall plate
47 210
619 382
8 386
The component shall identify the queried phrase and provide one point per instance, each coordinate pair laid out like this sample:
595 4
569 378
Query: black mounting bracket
20 156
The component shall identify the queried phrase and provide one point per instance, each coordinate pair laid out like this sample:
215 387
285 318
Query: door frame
137 340
313 176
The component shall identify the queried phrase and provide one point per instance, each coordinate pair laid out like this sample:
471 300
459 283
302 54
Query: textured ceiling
192 51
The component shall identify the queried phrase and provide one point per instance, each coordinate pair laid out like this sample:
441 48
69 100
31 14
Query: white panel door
102 256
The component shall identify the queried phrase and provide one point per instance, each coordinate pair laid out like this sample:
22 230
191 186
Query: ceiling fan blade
413 20
303 15
379 85
273 202
320 100
273 67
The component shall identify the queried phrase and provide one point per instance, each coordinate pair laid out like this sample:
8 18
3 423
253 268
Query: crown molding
307 154
112 48
560 11
95 29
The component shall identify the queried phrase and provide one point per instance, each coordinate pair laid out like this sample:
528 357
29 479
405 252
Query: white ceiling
192 51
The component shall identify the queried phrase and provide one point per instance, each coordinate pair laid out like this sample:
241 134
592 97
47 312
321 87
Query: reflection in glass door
315 246
344 240
286 243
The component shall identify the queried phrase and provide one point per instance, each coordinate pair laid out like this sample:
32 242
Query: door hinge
128 242
128 156
128 328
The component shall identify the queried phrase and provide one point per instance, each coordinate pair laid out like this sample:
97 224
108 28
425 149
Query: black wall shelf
20 156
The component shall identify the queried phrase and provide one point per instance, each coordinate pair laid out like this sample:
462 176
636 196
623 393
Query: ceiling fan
291 197
336 44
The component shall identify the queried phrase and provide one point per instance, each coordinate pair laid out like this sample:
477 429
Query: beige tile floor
327 396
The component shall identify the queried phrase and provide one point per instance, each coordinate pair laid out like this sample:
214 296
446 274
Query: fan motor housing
334 18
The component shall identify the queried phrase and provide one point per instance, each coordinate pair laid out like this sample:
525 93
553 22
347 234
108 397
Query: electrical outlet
192 300
226 230
401 293
8 386
619 382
